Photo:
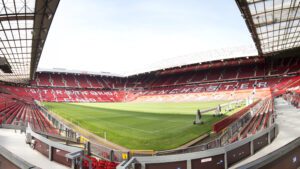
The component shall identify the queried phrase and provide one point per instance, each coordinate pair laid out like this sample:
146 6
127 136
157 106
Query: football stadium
222 108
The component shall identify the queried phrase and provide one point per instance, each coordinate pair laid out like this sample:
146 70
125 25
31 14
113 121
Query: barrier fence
282 158
217 158
54 151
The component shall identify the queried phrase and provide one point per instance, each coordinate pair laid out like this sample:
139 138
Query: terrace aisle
288 120
15 143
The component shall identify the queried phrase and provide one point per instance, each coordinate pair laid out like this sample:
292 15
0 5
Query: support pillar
111 155
252 147
225 161
269 137
189 164
50 153
88 148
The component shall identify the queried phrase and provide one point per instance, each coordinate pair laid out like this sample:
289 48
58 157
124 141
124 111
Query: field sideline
146 126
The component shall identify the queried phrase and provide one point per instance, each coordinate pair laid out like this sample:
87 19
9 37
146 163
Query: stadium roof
66 71
200 57
24 25
274 24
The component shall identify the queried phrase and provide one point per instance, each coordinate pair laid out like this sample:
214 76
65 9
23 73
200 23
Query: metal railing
18 125
108 153
208 154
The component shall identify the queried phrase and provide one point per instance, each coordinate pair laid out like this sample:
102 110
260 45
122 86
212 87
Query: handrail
266 159
52 143
57 136
200 154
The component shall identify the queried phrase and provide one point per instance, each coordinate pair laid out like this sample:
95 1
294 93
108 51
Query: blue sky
121 35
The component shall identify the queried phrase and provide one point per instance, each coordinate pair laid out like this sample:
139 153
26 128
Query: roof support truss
274 24
24 25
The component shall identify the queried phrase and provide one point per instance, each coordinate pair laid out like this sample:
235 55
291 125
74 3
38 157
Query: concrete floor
15 143
288 120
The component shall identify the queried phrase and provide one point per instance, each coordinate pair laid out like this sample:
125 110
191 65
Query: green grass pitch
144 126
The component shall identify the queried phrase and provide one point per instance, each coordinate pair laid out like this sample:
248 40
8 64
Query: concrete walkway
15 143
288 120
